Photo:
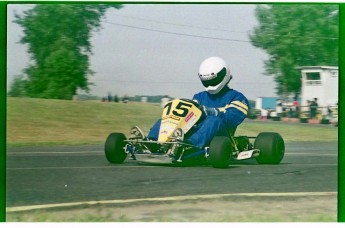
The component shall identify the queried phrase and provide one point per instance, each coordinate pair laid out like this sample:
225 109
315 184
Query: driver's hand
210 111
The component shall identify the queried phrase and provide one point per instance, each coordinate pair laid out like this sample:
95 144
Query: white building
144 99
319 82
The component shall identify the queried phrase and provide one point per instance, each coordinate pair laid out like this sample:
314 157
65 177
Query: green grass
242 209
88 217
292 132
59 122
43 121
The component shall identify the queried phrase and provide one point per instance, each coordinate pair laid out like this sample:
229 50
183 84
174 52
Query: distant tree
18 87
58 38
296 35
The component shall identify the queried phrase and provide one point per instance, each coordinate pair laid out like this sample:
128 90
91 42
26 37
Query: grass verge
227 209
60 122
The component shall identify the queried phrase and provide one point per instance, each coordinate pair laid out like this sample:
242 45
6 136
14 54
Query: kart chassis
177 152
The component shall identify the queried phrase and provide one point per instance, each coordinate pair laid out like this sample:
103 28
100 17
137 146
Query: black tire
114 148
271 146
220 151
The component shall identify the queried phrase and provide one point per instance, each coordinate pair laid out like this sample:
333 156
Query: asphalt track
69 175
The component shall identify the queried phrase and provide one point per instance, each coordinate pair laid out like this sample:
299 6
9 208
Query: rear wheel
220 151
115 148
271 146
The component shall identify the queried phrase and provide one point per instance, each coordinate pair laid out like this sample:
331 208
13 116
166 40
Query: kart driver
225 108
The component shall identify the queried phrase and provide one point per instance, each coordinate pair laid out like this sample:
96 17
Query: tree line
58 39
295 35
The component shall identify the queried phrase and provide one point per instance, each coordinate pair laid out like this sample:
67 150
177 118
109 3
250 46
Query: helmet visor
215 81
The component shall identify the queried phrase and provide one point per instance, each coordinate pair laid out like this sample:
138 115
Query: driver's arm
235 112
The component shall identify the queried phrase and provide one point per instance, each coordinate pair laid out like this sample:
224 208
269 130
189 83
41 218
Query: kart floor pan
151 158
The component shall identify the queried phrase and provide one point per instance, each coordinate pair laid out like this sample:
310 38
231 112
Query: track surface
54 175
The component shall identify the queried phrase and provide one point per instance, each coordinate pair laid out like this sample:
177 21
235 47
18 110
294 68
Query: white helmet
214 74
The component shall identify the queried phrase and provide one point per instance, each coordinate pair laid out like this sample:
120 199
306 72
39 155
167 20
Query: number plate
178 114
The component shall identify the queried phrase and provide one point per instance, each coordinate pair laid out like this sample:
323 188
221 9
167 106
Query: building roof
317 67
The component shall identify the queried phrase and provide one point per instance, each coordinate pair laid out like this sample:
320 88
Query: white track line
311 154
55 152
102 153
156 166
174 198
81 167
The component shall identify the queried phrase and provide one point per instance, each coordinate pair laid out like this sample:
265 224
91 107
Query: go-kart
179 118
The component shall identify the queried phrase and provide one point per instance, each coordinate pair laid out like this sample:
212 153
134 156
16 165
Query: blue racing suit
232 109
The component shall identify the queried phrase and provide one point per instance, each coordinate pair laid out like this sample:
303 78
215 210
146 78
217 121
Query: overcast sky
156 49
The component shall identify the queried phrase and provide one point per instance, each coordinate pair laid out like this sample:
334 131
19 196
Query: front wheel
220 151
271 146
115 148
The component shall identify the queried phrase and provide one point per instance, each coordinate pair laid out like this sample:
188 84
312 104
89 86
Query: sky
156 49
